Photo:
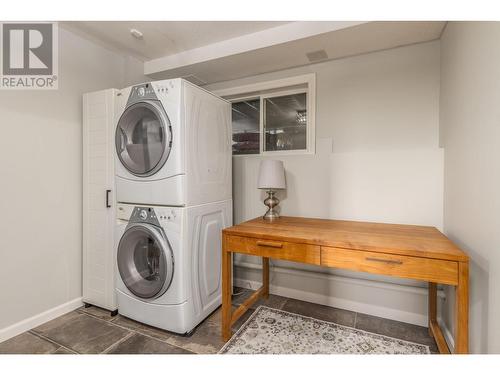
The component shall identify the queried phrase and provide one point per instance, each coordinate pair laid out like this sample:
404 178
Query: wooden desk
407 251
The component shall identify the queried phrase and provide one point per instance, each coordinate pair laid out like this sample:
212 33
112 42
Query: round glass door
145 261
143 138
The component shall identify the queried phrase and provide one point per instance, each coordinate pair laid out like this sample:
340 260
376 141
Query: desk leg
226 291
265 277
432 306
462 309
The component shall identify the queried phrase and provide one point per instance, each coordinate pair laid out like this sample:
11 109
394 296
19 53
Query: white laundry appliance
169 263
173 145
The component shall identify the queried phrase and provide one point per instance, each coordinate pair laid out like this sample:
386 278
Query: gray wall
470 134
41 174
377 159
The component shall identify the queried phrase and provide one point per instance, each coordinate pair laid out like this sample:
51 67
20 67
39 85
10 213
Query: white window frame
280 87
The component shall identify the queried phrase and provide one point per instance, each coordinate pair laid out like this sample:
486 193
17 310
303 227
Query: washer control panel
162 216
144 215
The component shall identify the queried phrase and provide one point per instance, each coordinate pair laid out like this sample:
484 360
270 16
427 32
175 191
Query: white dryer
169 263
173 145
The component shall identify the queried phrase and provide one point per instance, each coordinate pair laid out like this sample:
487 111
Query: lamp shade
271 175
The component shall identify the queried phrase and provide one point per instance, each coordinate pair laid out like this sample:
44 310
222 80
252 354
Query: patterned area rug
271 331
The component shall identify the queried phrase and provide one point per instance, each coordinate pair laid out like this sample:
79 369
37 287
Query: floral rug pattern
271 331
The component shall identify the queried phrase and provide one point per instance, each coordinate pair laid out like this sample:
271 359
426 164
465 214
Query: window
246 127
273 117
285 122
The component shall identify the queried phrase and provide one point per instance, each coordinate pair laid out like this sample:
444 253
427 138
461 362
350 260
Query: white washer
173 145
169 263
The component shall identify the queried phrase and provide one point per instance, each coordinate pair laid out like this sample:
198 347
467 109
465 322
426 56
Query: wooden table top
411 240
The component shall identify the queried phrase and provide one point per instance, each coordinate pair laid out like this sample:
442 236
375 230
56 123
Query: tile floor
93 330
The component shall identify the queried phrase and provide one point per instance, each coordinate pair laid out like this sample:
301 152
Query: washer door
145 261
143 138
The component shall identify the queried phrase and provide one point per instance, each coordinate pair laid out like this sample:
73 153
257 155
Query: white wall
41 180
377 159
470 134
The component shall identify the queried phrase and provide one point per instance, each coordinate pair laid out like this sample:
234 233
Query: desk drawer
294 252
435 270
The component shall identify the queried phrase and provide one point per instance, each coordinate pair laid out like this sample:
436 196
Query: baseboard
34 321
329 300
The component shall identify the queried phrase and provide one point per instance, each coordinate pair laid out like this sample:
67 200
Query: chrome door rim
157 109
167 256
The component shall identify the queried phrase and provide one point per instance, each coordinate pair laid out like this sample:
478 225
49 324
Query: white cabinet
98 199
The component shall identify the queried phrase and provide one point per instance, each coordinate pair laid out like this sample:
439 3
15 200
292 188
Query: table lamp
271 178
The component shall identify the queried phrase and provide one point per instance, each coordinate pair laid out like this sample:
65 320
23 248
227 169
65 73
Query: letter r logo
27 49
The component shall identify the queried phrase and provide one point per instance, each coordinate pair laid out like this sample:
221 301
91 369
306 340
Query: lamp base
272 202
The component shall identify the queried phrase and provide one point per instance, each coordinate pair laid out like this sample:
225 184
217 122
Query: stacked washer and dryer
174 197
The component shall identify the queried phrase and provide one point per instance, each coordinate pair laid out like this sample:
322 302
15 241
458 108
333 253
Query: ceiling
166 38
207 52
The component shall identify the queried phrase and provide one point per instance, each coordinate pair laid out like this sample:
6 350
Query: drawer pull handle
389 261
270 244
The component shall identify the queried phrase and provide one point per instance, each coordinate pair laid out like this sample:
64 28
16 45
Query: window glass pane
285 123
246 129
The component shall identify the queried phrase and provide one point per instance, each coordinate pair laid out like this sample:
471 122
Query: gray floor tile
125 322
82 333
167 336
274 301
313 310
157 333
97 312
216 317
41 329
145 329
242 320
207 338
27 343
398 330
140 344
62 350
95 331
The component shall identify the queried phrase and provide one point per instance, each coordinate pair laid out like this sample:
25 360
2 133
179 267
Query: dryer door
143 138
145 261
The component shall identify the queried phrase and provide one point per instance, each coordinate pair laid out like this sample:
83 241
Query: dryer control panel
140 93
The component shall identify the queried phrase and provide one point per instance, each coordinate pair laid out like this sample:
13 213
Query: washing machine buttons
168 216
141 91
